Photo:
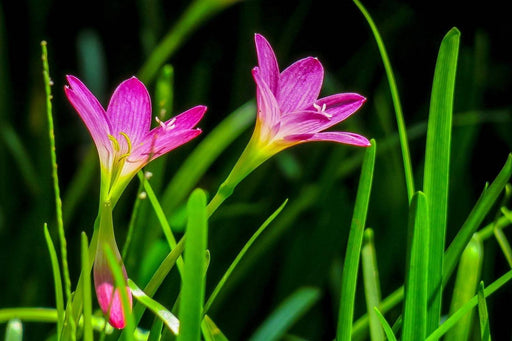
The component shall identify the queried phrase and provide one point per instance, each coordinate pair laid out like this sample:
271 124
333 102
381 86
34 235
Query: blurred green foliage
104 42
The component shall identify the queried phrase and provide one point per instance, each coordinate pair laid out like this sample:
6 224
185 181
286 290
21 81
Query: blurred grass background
105 42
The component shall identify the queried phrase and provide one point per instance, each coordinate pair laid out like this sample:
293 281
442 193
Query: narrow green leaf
121 285
437 166
355 240
159 310
371 285
504 245
161 217
402 131
193 284
455 317
210 330
385 325
288 312
475 218
86 292
415 301
466 283
457 246
240 255
485 330
14 330
29 314
164 91
57 281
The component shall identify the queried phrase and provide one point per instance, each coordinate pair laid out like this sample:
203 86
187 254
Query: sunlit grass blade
371 284
57 280
288 312
466 283
455 317
48 315
210 330
205 153
437 166
121 285
415 300
194 278
385 325
86 292
14 330
355 240
55 177
475 218
402 132
159 310
485 329
239 257
197 12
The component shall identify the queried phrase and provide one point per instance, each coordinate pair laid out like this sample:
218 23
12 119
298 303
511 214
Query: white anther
143 195
167 126
321 110
148 175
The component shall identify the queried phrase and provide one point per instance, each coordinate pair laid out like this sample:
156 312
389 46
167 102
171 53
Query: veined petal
300 84
187 119
268 109
267 62
302 123
158 142
92 114
129 110
334 136
338 107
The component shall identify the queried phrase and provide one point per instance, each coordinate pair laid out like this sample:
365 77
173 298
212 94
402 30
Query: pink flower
125 144
289 110
122 133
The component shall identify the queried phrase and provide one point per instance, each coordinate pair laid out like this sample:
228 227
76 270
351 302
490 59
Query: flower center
120 155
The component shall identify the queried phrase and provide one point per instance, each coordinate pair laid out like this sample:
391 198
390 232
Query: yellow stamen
114 142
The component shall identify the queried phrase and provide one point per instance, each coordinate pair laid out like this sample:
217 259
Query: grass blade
385 325
240 255
355 239
415 302
194 278
286 314
402 132
485 331
504 245
466 283
86 292
155 333
57 281
210 330
14 330
159 310
371 285
437 165
455 317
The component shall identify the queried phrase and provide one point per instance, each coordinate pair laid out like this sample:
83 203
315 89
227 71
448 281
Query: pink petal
111 303
188 119
302 123
267 62
129 110
300 84
268 109
335 136
92 114
157 143
339 107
